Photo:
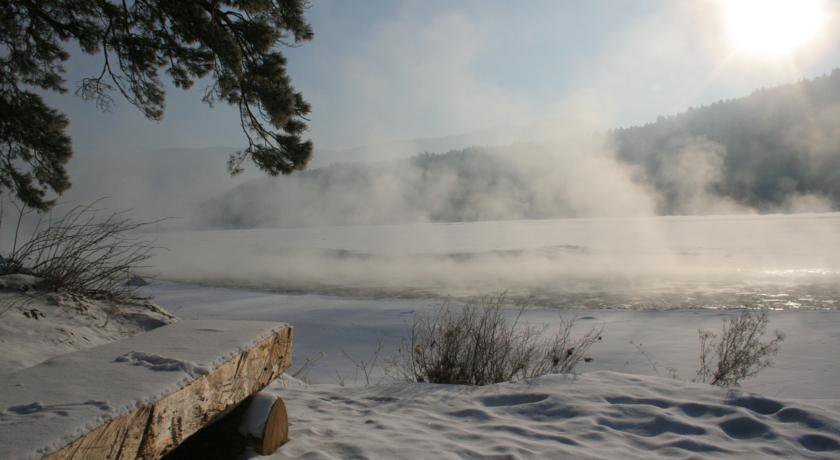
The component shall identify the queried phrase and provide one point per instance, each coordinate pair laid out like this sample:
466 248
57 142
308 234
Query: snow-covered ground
615 408
331 327
35 326
622 412
351 294
595 415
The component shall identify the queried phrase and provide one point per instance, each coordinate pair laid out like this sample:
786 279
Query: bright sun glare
773 28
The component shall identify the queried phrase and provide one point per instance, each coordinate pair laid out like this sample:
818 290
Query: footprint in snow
512 399
757 404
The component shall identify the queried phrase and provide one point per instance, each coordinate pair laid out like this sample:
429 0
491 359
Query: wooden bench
140 397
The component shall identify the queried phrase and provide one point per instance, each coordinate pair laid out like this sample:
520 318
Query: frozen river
775 261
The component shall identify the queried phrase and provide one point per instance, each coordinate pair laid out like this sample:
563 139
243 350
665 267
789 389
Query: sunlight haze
419 229
381 71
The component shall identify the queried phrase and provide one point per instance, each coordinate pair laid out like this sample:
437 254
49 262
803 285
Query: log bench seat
142 396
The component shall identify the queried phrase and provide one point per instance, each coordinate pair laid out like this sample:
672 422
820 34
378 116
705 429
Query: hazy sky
381 70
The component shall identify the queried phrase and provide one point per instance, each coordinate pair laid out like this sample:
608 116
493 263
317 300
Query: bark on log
153 430
276 429
259 423
142 396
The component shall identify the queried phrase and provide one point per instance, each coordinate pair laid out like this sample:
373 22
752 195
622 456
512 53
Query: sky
382 70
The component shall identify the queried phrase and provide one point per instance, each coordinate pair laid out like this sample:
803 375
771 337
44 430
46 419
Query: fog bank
672 262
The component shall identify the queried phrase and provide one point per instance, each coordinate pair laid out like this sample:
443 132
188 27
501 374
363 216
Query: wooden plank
150 430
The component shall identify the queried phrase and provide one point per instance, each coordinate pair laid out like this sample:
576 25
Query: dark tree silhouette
232 42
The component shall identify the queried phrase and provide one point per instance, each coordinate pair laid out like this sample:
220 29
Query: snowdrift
595 415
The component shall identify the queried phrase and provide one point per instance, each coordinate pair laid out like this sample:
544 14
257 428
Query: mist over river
756 261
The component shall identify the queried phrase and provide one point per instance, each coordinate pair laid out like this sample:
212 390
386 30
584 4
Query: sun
773 28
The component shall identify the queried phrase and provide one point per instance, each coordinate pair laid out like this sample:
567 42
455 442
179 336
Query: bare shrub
302 372
739 352
364 367
81 252
479 344
672 371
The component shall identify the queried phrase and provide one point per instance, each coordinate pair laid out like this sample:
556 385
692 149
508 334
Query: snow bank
35 326
19 282
595 415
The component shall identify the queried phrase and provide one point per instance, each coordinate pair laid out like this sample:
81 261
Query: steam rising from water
709 262
619 255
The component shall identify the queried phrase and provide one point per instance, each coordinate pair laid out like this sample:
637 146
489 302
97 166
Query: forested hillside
761 150
777 150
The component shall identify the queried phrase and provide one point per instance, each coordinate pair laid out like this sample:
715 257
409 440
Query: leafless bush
479 344
80 253
672 371
364 367
302 372
739 352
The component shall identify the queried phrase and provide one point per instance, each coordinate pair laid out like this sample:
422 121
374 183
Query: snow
18 282
599 413
652 282
35 326
333 326
44 407
595 415
157 362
